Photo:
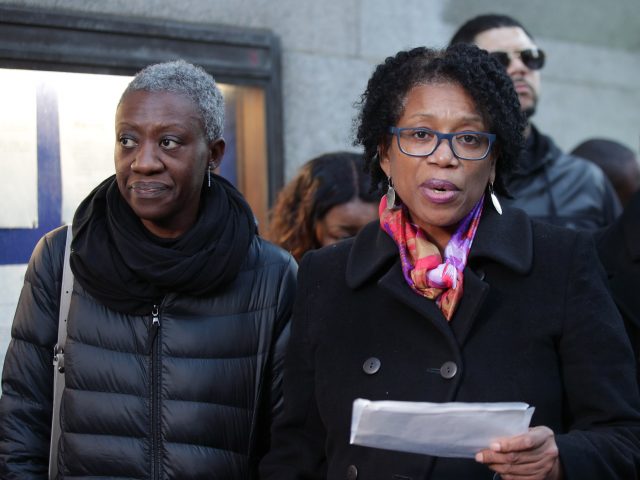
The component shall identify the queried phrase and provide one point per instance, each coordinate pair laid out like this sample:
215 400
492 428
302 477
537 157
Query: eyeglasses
533 58
422 142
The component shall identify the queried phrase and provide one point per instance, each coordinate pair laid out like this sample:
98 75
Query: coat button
371 365
481 274
352 472
448 370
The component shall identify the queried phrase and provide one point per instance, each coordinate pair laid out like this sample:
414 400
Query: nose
443 154
146 160
516 65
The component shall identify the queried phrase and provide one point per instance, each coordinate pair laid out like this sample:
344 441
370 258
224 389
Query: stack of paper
439 429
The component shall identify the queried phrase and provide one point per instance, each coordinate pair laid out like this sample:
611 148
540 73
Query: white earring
209 175
494 199
391 195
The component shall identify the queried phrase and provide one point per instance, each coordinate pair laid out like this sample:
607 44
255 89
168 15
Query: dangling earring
391 195
209 175
494 199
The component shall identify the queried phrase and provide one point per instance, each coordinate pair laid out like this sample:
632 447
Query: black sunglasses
533 58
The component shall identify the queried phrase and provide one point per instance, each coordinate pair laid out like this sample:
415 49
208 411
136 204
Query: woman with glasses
451 298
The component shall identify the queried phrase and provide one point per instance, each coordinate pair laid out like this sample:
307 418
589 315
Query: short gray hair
191 80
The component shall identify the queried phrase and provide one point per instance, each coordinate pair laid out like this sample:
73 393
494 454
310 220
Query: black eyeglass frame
533 58
396 131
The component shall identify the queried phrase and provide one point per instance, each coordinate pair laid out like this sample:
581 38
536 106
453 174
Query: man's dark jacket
555 187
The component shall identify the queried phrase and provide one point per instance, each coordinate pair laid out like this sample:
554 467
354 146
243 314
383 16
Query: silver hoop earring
494 199
391 195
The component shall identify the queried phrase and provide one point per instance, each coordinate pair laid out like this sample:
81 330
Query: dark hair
618 162
480 75
603 151
322 183
475 26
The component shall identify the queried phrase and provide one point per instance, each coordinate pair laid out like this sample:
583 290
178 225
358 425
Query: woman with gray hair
177 317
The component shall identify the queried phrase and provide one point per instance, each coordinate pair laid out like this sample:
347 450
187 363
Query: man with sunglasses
548 184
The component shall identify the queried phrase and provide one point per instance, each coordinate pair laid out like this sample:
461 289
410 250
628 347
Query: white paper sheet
439 429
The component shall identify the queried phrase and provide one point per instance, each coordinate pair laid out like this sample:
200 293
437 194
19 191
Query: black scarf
128 269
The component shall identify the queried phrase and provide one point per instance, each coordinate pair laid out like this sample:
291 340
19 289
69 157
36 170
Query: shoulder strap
58 356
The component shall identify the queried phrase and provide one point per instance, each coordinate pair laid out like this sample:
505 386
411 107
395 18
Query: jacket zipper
155 391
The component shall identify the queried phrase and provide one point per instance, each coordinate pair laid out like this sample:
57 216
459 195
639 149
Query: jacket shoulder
573 168
549 235
36 316
44 271
332 258
265 251
270 269
579 169
263 254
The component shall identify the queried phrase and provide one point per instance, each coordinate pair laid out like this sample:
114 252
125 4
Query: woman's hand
532 456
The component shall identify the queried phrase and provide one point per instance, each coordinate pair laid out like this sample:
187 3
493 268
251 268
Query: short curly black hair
479 74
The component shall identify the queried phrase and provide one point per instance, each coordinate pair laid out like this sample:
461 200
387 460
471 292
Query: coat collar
506 239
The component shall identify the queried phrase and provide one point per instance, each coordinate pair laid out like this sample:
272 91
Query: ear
216 152
385 161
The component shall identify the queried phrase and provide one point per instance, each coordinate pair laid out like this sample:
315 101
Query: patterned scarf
423 268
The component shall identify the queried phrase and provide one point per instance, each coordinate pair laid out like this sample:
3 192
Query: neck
439 236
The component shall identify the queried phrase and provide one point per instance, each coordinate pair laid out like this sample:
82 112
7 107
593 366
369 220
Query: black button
371 365
481 274
448 370
352 472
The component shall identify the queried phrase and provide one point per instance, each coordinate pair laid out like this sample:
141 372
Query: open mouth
440 191
440 185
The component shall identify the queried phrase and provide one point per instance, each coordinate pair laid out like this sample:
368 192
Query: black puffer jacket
132 389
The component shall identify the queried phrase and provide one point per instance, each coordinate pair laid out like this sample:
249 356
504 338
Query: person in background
618 162
328 200
619 250
619 244
179 313
547 183
452 298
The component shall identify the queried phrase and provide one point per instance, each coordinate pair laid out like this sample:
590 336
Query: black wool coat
536 324
619 250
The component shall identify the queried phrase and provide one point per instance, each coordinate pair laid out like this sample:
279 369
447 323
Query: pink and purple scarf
422 265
